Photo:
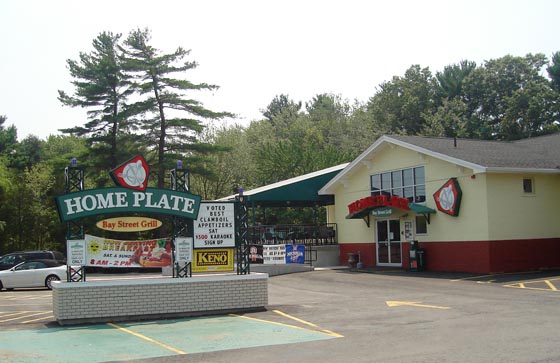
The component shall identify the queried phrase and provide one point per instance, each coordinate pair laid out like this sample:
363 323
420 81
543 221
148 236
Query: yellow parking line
491 275
552 287
325 331
34 320
146 338
21 317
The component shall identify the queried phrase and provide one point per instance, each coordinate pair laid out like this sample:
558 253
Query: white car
35 273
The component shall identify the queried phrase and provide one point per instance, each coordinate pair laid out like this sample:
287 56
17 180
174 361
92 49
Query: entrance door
388 233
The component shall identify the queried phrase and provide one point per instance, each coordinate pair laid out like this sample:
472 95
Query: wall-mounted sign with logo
448 197
129 224
376 201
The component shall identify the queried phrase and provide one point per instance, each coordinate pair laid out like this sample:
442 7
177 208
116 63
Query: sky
255 50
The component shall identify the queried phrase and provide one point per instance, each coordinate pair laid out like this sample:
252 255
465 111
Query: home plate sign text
121 200
215 226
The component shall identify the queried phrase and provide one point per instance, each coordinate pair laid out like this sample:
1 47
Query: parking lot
319 316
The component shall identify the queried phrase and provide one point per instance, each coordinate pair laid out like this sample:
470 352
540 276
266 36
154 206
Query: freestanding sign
94 202
215 226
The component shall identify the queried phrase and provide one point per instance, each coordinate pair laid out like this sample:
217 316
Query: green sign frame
93 202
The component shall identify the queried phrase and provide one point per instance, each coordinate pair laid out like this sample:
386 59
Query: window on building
421 225
408 183
527 185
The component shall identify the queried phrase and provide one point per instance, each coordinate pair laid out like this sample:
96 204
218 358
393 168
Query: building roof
298 192
533 155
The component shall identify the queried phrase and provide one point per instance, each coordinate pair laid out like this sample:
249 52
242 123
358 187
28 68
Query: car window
8 259
33 265
38 255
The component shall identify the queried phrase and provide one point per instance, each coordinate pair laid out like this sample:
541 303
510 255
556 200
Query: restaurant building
471 205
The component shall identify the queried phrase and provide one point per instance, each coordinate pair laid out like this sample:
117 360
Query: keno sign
215 226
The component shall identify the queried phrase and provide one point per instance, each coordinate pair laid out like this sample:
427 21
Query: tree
171 119
400 105
451 79
281 105
229 169
554 71
102 87
503 90
8 137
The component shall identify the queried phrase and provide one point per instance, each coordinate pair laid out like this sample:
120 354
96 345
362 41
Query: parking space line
20 313
523 285
146 338
552 287
50 316
491 275
308 323
324 331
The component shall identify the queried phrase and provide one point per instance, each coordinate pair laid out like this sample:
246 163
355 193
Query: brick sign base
165 298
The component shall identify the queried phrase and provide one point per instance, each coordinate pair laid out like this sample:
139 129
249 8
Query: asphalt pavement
331 315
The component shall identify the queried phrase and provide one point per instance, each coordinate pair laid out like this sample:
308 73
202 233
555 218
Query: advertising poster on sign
295 254
274 254
215 226
104 252
76 252
183 249
213 260
256 254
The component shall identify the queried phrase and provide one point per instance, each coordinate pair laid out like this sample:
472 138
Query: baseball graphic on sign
132 174
448 197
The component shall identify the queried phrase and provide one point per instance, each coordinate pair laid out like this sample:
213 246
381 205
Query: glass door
388 238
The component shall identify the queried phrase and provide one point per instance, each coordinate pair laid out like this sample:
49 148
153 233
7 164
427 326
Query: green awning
421 209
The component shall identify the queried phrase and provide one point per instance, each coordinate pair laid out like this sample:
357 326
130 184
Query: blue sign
295 254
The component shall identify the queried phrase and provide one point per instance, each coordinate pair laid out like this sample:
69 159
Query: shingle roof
534 153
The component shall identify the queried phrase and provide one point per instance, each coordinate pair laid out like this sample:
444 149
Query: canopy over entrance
301 191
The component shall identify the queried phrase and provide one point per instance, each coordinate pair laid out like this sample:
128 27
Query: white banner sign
274 254
215 226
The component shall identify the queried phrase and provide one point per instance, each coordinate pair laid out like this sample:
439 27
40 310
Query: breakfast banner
104 252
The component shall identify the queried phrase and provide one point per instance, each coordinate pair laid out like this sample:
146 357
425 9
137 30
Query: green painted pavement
100 343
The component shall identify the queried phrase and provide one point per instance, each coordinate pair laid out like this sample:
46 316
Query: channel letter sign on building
119 200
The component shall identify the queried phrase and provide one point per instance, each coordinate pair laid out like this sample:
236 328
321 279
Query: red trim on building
472 256
366 251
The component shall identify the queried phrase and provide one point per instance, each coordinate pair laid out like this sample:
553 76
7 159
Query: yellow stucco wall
494 206
514 214
473 210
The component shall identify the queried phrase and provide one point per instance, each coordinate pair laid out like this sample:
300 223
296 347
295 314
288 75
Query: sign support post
241 231
74 182
182 227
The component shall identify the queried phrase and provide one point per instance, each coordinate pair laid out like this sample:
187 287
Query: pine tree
102 87
171 119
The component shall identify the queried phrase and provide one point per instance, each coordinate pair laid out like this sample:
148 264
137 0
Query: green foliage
102 87
554 71
172 121
400 105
